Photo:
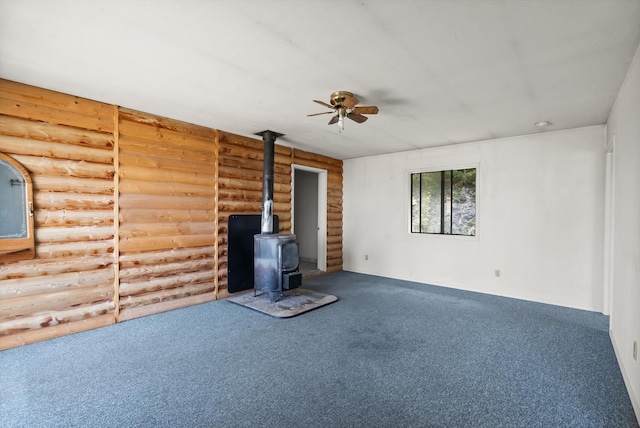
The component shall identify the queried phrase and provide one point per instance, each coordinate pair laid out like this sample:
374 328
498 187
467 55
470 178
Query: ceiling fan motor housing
339 97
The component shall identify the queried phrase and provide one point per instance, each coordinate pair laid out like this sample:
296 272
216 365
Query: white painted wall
624 124
539 218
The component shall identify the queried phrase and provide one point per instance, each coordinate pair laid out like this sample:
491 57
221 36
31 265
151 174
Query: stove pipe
266 225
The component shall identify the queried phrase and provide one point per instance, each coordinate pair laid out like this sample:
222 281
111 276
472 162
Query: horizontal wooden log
168 256
33 285
301 156
45 183
334 207
56 133
240 184
58 167
128 230
46 320
141 307
47 218
335 224
20 92
31 332
151 147
56 301
334 216
333 239
251 175
227 138
239 207
334 195
37 111
129 302
166 137
177 126
72 201
334 247
192 163
223 217
48 149
285 227
163 188
242 207
152 285
240 194
147 202
50 268
165 215
335 254
251 164
251 196
155 175
74 249
77 233
138 273
227 151
155 243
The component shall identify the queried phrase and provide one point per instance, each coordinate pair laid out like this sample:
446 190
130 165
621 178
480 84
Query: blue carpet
388 353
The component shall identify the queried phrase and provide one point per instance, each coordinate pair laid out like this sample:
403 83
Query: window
444 202
16 211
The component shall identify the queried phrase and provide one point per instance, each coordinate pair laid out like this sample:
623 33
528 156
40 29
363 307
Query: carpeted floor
388 353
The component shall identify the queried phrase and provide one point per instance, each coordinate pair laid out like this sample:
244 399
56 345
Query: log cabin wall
167 185
67 146
161 243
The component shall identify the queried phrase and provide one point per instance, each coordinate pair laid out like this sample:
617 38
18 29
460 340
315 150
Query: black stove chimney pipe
269 138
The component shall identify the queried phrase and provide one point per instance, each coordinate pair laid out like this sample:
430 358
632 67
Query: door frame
322 210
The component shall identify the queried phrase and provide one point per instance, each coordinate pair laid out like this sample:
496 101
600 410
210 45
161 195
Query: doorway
309 217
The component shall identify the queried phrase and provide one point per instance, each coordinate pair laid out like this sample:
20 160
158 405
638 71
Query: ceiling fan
343 104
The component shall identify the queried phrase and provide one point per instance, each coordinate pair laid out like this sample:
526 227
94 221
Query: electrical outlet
366 256
635 350
497 273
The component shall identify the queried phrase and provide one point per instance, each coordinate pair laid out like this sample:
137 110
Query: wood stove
275 255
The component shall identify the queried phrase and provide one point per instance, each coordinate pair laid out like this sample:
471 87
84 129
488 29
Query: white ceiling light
542 123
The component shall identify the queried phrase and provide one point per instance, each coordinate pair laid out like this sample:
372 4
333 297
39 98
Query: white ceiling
441 72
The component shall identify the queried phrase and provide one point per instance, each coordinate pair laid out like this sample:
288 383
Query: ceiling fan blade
318 114
350 102
323 103
366 110
357 117
334 119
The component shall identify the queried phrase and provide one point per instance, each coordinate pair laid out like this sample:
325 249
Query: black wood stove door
241 228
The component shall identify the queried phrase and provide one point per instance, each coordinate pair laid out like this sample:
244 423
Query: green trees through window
444 202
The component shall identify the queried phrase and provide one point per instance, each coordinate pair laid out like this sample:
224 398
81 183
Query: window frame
12 249
439 168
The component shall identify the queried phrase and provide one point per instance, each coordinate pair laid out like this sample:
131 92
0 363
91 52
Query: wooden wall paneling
67 145
167 213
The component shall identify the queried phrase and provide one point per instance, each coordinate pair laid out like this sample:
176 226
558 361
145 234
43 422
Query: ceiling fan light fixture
343 105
